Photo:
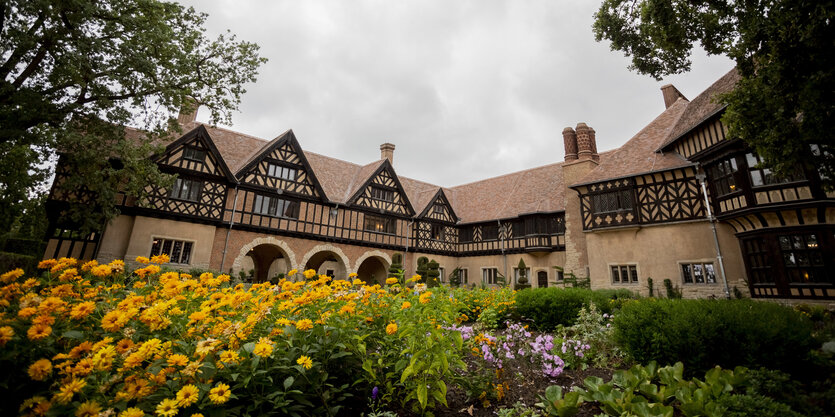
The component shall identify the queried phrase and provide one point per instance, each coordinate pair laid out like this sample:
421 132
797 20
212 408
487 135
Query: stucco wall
658 252
115 239
146 228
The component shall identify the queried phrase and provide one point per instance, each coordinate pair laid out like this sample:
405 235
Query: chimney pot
671 94
569 138
188 111
387 152
586 142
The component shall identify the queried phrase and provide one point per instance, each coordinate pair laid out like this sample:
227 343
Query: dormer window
378 193
438 209
281 172
193 154
612 201
723 177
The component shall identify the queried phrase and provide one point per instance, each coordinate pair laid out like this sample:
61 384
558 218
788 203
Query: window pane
166 247
685 273
698 275
756 178
615 274
186 257
624 274
710 274
155 248
633 272
176 251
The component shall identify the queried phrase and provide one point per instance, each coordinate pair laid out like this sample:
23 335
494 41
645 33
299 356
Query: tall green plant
432 273
422 268
455 278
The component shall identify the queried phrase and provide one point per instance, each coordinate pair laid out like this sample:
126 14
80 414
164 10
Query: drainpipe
701 177
229 230
406 252
504 255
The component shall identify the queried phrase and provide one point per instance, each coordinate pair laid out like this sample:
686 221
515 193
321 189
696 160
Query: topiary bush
705 333
548 308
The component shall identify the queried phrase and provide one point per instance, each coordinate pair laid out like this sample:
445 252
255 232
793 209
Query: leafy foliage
74 74
706 333
783 104
548 308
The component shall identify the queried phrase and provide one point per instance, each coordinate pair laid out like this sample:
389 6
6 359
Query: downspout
229 230
504 255
701 177
406 252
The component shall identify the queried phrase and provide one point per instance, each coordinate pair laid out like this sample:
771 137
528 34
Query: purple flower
374 393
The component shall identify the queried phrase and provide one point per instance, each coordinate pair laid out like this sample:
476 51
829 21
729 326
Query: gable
383 191
282 166
195 152
439 209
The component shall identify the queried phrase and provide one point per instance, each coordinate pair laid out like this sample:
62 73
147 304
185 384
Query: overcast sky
466 90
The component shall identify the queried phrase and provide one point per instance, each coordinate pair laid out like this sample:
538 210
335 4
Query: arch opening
327 263
373 270
265 262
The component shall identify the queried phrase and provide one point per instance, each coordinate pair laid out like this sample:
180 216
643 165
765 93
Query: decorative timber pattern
659 197
439 209
194 152
59 192
776 218
282 166
383 192
209 204
669 196
708 134
435 237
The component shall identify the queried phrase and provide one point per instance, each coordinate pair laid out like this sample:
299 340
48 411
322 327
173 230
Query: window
282 172
489 275
194 154
462 273
438 209
178 250
802 257
763 176
698 273
527 274
722 177
437 232
560 275
612 201
274 206
378 224
624 274
489 232
465 234
185 189
759 259
442 274
378 193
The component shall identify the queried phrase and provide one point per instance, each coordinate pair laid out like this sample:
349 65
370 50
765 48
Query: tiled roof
703 106
638 156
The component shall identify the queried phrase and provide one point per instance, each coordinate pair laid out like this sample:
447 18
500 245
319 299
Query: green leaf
422 395
288 382
73 334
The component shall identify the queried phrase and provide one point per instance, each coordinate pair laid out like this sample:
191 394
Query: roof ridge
232 131
508 174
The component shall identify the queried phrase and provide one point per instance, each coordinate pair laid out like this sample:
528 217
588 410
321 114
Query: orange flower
391 328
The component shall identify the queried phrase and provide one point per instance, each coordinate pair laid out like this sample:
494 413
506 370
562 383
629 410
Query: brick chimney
671 94
586 143
569 138
387 152
188 111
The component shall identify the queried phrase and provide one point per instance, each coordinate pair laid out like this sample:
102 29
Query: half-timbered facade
243 204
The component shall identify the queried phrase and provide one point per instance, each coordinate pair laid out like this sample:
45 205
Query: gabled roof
366 175
701 108
638 156
439 195
201 134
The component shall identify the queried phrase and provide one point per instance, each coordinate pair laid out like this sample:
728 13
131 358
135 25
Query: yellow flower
425 297
88 409
67 390
11 275
132 412
405 305
391 328
358 282
40 369
305 362
38 332
101 271
197 415
178 360
310 273
47 263
188 395
263 349
82 310
220 393
167 408
142 259
160 259
304 324
352 275
6 334
292 272
391 281
229 356
415 277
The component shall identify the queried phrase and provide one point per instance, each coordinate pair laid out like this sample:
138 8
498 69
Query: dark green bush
745 405
31 247
9 261
705 333
548 308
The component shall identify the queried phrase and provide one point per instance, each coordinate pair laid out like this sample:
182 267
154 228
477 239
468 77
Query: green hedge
9 261
548 308
31 247
705 333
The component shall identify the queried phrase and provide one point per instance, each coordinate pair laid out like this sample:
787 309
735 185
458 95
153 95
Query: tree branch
33 65
21 50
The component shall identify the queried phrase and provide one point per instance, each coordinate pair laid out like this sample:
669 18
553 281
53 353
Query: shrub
704 333
548 308
744 405
9 261
31 247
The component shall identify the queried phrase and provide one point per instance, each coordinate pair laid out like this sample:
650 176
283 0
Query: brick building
619 217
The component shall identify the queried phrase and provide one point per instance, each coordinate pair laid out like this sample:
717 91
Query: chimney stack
671 94
188 111
586 142
569 138
387 152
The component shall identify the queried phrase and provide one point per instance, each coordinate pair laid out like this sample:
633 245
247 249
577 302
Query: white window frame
703 263
173 240
464 275
629 268
486 278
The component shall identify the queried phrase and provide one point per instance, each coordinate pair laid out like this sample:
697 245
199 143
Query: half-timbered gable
195 153
439 209
383 192
282 165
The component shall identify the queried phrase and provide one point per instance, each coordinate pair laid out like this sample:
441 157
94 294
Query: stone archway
325 258
266 255
372 267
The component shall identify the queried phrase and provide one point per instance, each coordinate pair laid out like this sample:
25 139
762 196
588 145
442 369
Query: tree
422 268
433 272
73 75
455 278
396 268
783 106
522 281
